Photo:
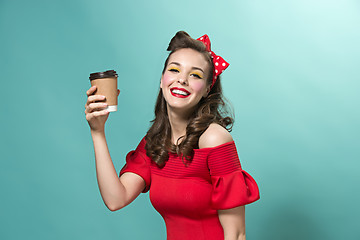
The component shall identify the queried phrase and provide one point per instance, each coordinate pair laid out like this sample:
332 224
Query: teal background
293 82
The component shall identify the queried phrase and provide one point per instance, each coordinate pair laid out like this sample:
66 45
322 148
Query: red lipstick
179 95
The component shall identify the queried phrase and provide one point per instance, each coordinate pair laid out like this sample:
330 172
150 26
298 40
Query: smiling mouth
180 93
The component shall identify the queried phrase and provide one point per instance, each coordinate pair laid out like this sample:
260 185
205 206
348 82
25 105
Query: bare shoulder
214 135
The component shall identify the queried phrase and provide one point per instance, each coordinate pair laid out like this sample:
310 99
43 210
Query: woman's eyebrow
197 68
178 64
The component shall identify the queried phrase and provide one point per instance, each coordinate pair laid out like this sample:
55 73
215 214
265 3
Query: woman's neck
178 122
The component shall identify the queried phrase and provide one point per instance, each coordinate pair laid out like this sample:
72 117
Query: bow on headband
219 63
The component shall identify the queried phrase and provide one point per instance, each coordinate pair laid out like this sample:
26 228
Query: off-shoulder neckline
218 146
204 149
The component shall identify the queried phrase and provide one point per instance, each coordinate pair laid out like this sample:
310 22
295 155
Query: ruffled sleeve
138 162
232 186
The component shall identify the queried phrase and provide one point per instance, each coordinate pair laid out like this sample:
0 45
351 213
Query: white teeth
177 91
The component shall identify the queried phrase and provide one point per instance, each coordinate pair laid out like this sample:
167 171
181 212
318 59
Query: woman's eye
196 75
173 70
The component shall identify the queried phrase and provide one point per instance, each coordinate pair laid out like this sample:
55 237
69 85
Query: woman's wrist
95 133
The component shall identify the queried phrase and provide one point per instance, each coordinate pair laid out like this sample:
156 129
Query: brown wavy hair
211 109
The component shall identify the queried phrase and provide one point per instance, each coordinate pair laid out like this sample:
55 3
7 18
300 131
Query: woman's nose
182 80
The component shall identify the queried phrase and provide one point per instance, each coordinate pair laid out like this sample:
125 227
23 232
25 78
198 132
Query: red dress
188 196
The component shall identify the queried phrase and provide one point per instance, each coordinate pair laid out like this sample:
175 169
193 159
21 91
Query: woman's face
184 82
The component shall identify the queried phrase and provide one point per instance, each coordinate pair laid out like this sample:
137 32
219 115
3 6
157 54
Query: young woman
188 159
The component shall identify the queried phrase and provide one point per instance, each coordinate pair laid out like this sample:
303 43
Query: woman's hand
95 110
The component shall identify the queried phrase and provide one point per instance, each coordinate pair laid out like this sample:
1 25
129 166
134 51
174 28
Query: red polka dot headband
219 63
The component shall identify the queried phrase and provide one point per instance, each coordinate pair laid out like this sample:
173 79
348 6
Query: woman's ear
207 91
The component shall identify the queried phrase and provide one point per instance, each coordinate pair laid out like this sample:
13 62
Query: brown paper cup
106 84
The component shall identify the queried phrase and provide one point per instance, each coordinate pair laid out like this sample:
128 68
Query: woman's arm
233 222
116 192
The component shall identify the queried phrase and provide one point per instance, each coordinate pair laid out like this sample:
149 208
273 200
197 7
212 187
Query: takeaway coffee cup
106 84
